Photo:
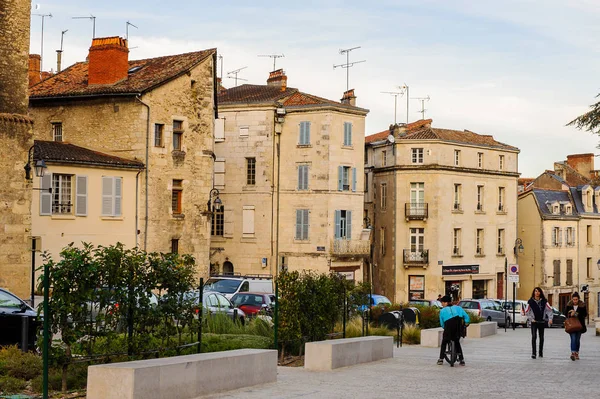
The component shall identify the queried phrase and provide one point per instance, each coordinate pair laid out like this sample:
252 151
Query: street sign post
513 277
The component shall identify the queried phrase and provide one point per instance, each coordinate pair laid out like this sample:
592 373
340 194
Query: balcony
416 257
457 207
415 211
456 252
350 248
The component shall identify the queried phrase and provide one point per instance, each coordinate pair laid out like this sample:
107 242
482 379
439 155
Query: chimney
220 87
108 60
58 60
398 130
349 98
582 163
35 75
277 79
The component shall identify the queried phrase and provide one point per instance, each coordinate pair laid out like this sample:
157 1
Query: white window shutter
227 222
298 224
118 196
305 223
107 196
45 195
219 129
248 219
348 225
81 196
219 175
353 179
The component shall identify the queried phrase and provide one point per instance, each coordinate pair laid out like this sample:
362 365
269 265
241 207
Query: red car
254 302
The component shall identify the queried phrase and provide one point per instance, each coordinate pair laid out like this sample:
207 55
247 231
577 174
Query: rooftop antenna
395 94
59 52
127 25
348 64
221 59
404 88
235 72
274 56
422 99
42 45
93 23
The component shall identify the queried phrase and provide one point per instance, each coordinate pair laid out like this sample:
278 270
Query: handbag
572 325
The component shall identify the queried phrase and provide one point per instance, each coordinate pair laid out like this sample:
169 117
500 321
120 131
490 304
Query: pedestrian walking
538 313
576 309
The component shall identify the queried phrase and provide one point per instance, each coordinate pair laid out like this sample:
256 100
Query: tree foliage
590 121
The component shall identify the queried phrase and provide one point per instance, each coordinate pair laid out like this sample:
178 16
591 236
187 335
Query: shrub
225 342
411 334
76 379
11 385
429 317
17 364
354 328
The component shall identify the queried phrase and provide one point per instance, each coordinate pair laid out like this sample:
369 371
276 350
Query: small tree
590 121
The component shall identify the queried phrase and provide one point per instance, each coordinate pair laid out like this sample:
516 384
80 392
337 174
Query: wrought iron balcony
416 210
416 257
343 247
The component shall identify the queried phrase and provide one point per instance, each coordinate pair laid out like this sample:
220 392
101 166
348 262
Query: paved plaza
499 366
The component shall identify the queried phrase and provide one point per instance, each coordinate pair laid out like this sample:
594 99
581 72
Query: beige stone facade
443 208
304 138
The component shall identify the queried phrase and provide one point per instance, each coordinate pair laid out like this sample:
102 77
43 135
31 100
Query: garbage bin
411 315
391 319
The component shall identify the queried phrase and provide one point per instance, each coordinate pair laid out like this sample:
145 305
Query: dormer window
556 209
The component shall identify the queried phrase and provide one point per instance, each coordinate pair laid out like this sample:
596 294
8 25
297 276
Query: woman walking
576 308
538 312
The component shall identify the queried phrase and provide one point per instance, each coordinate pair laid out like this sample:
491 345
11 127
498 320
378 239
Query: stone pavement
499 366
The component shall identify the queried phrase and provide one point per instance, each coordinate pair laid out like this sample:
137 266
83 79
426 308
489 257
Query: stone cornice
445 168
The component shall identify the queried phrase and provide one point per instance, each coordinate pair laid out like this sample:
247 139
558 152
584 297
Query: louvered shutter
353 179
81 196
45 195
307 133
340 178
348 225
228 223
118 196
219 129
305 224
107 196
560 235
300 178
302 138
298 224
337 222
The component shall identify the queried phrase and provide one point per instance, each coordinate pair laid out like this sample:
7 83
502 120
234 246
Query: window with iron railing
62 195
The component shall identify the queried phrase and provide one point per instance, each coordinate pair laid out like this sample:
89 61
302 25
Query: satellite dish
391 138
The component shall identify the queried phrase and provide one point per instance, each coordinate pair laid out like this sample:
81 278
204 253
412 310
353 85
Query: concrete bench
182 377
480 330
332 354
432 337
597 323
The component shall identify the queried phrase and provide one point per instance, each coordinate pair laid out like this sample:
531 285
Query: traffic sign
513 278
513 269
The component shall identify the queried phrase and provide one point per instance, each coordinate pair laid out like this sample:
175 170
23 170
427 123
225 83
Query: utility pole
42 45
348 64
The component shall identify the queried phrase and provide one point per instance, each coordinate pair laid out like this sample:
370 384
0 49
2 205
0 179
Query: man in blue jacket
452 318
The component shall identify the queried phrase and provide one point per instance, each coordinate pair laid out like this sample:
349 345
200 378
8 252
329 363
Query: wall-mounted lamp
39 167
214 205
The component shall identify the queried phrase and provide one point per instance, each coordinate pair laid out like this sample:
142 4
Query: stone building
15 141
559 222
443 208
159 111
290 176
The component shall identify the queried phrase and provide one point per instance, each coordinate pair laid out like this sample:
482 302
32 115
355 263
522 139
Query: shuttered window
248 220
112 195
345 180
556 264
347 133
81 196
343 224
302 224
303 177
46 195
304 137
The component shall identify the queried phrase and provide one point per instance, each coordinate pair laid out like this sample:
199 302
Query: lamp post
518 248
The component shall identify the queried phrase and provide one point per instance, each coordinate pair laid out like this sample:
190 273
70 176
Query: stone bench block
182 377
432 337
332 354
597 327
480 330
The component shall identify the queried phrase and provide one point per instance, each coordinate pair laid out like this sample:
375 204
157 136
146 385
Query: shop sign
453 270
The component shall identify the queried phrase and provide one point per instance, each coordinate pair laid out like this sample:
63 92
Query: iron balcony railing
416 257
416 210
343 247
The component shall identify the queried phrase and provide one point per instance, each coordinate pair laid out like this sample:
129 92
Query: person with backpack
538 312
452 319
576 308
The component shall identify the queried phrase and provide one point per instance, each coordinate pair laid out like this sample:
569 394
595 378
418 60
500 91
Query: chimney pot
277 79
349 98
35 75
108 60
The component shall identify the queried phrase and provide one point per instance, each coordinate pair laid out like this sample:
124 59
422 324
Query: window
344 178
457 195
112 195
175 245
383 196
416 287
501 162
218 222
417 155
501 199
569 272
244 131
366 182
456 236
366 155
62 201
176 197
158 134
250 171
347 133
589 234
570 236
556 280
304 138
480 198
177 135
383 158
480 160
479 242
500 242
417 240
248 220
588 270
343 224
456 157
57 131
302 224
303 177
556 237
382 241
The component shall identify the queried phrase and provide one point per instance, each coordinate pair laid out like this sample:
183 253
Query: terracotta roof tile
72 154
410 127
154 71
254 94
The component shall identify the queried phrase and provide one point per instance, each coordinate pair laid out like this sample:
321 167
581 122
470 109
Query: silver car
487 309
216 303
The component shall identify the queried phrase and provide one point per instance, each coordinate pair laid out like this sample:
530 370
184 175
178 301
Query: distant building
443 206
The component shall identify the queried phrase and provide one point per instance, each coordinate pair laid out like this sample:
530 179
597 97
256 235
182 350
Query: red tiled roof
254 94
72 154
410 127
73 81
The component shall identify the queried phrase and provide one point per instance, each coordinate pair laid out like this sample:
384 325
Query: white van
231 285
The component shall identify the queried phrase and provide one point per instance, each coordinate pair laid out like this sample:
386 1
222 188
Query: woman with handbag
538 312
576 312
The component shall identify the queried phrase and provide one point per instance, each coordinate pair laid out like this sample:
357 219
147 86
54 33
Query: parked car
519 317
487 309
426 302
216 303
230 285
12 311
253 303
112 304
376 300
558 319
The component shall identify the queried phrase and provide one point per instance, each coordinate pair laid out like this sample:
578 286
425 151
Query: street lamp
40 165
214 205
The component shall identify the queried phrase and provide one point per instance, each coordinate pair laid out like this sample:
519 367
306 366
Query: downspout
137 203
278 195
273 201
147 170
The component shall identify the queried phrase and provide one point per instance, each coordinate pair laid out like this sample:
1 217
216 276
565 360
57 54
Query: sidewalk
497 367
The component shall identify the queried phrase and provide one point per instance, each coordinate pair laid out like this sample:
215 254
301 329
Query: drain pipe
147 170
137 203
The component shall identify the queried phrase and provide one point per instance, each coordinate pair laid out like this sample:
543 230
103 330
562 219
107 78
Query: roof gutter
80 96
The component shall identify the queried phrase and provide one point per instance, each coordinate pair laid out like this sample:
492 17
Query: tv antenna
220 57
274 56
395 94
93 24
404 88
127 25
422 99
42 45
59 52
348 64
235 72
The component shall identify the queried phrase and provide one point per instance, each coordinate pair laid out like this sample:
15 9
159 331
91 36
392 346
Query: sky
519 70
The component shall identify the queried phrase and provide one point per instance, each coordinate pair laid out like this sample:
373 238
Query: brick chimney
582 163
349 98
35 75
108 60
277 79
